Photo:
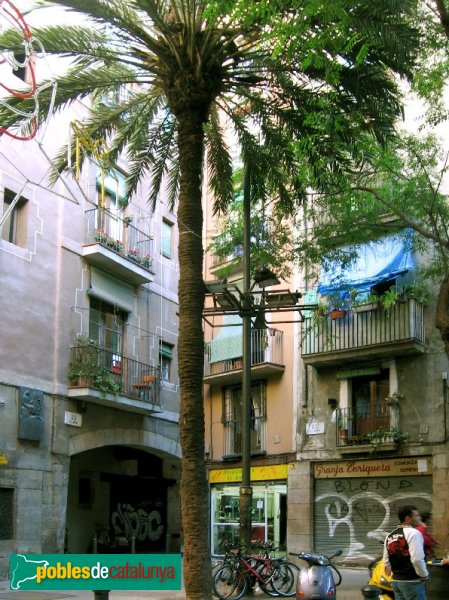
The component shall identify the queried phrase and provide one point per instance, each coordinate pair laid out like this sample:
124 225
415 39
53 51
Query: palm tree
308 81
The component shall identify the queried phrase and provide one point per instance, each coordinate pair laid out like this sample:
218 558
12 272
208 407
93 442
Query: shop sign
3 459
263 473
389 467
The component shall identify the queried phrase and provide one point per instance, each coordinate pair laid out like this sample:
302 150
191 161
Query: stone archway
126 437
122 491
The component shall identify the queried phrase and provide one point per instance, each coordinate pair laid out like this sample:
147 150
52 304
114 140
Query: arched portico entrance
123 492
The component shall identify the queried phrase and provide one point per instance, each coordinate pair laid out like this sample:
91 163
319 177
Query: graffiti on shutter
355 514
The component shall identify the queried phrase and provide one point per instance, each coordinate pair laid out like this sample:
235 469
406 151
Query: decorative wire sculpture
32 50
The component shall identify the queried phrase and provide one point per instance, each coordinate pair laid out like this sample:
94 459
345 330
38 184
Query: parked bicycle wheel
267 576
284 579
229 582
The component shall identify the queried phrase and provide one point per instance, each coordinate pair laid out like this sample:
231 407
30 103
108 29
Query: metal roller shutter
355 514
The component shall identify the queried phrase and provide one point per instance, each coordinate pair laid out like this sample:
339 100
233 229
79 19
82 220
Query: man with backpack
404 555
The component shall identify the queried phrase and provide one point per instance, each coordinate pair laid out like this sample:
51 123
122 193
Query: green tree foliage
298 82
400 190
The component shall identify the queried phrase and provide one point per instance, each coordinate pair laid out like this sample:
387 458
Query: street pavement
353 580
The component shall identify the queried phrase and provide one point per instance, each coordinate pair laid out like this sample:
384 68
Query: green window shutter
166 350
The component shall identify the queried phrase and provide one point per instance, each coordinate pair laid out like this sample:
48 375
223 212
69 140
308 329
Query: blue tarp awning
384 259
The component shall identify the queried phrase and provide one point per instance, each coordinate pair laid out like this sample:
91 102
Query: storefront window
269 515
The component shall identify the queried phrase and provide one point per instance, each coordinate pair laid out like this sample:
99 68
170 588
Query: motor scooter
317 581
381 579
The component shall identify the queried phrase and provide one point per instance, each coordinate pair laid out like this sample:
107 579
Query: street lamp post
246 491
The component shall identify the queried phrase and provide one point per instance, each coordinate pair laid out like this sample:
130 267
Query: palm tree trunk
194 487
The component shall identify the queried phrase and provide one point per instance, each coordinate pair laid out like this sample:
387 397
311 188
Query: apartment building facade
374 402
89 403
349 420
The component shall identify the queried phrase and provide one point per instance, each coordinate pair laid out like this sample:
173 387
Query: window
106 327
166 239
232 418
14 227
165 358
111 197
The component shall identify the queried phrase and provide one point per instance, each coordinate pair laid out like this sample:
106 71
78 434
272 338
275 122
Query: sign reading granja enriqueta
390 467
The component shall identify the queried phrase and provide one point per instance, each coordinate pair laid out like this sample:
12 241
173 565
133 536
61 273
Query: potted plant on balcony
387 436
146 261
395 398
339 303
389 299
106 382
84 364
419 292
101 237
134 255
366 303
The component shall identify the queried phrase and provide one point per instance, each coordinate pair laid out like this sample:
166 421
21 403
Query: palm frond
151 154
220 169
173 182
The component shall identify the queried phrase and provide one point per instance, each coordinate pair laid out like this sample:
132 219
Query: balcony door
233 416
368 407
106 327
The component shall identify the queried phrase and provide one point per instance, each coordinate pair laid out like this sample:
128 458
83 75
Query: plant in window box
118 246
365 303
399 436
390 435
146 261
101 237
134 255
84 364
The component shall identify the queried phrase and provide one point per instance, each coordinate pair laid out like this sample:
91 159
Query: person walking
404 555
429 541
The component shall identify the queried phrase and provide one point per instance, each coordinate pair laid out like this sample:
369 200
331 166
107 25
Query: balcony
224 362
359 433
115 246
375 334
108 379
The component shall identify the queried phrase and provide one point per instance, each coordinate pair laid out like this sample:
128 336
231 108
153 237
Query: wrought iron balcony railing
233 437
402 326
113 374
119 235
373 428
224 355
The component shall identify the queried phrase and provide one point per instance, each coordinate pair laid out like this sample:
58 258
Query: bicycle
240 572
286 573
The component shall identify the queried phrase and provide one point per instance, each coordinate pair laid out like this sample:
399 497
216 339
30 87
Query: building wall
45 295
422 413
